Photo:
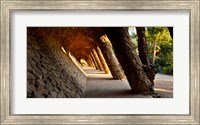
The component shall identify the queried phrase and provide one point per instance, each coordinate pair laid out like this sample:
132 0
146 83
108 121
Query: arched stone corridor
58 61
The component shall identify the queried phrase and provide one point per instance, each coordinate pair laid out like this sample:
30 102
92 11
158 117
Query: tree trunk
129 60
154 51
143 54
109 55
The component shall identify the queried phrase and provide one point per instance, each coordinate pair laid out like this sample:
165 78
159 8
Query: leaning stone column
113 64
143 54
104 64
129 60
90 62
97 59
93 59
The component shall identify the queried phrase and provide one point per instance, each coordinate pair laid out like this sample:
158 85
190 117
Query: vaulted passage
65 62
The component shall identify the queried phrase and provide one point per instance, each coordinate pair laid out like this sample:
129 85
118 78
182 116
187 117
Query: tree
162 53
153 36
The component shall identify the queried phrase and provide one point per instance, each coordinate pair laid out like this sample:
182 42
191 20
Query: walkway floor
163 84
101 85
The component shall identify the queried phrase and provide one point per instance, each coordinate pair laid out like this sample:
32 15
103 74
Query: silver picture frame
8 6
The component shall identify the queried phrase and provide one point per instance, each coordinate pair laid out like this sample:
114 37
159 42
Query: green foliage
134 37
164 48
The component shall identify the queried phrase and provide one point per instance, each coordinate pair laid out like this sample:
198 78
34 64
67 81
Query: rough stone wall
50 71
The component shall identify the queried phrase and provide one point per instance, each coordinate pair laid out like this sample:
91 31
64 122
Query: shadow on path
101 85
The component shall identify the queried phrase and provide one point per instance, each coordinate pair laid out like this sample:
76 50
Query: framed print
99 62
